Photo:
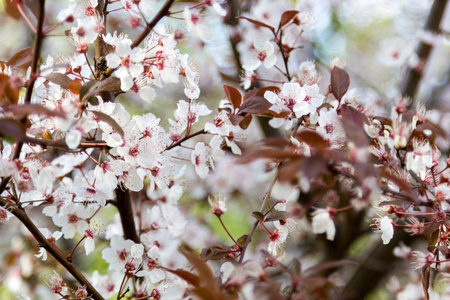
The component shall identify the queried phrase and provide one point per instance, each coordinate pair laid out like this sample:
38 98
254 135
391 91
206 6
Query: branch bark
125 209
161 13
43 242
414 75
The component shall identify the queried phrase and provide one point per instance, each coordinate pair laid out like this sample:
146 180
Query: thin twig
256 223
43 242
161 13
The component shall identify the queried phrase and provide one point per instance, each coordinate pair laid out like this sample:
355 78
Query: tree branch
414 75
43 242
125 209
161 13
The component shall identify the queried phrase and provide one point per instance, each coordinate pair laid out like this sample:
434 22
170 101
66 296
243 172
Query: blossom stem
161 13
187 137
343 208
264 226
283 54
273 81
224 227
413 214
25 17
89 64
70 255
256 223
180 11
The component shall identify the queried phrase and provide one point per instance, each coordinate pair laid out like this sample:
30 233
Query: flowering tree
328 192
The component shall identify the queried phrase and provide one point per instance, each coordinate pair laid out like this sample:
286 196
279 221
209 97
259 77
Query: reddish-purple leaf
109 120
12 128
355 133
91 88
208 284
59 79
254 105
271 88
245 122
277 142
236 119
329 265
233 95
339 82
311 138
258 23
215 252
24 110
276 216
433 240
265 152
314 166
241 241
287 16
21 58
394 202
11 10
75 86
258 216
250 94
289 171
352 114
397 181
190 278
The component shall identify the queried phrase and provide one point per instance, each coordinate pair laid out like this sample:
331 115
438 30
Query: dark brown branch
125 209
34 65
414 75
43 242
37 51
185 139
161 13
61 143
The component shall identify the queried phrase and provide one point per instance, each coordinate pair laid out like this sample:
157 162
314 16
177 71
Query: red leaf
233 95
59 79
394 202
215 252
246 122
265 152
289 170
276 216
186 276
74 86
311 138
21 58
258 216
24 110
258 23
433 240
329 265
287 16
355 133
271 88
109 120
91 88
314 166
339 82
255 105
11 10
236 120
350 113
12 128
